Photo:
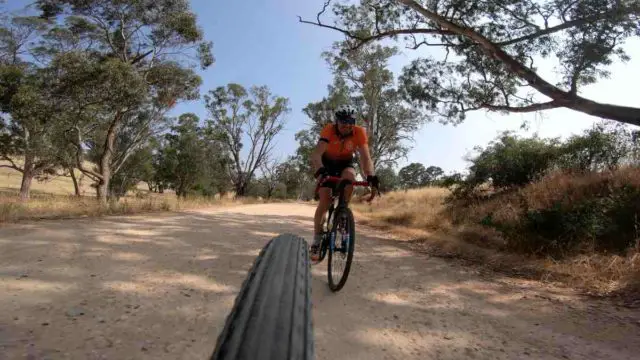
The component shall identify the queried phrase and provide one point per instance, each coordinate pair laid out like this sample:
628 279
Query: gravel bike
271 316
339 222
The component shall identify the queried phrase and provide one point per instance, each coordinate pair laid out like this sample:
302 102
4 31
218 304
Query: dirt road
160 287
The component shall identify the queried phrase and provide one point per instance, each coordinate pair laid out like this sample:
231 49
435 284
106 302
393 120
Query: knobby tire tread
271 316
352 237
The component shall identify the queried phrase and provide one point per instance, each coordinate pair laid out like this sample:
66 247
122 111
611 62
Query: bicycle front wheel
341 249
271 317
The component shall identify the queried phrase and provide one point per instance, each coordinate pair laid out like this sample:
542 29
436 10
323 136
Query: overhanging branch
624 114
563 26
523 109
390 33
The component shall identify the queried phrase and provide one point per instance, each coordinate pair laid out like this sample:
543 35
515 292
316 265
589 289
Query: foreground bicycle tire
271 317
341 211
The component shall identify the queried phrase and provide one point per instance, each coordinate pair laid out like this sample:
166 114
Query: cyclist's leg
321 209
324 201
348 173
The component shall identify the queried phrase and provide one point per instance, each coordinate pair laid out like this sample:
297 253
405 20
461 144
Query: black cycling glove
321 172
374 181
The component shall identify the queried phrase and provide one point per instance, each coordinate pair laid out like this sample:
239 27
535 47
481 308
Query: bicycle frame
328 242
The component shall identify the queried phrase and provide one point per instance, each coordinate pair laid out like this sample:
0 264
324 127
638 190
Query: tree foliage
184 155
511 160
491 48
412 176
514 161
30 112
120 67
389 180
605 146
188 159
238 118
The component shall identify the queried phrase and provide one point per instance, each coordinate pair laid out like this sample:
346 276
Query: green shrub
567 213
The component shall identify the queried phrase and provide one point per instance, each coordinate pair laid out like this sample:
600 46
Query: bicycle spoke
341 255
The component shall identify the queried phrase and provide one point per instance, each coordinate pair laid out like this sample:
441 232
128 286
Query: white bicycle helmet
346 113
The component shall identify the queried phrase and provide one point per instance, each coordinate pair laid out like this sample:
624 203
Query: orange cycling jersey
342 148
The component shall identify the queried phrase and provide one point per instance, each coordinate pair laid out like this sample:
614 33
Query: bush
565 214
606 146
513 161
510 161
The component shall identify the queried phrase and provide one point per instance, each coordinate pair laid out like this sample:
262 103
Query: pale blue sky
261 42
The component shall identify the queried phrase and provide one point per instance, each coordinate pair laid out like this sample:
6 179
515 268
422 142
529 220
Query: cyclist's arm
316 155
365 158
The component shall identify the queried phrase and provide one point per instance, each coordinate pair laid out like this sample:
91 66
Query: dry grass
416 208
54 199
61 207
562 187
421 216
10 180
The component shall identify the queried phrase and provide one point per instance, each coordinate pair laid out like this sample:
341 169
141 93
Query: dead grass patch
452 231
44 206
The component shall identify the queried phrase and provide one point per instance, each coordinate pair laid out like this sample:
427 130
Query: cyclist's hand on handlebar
321 173
374 181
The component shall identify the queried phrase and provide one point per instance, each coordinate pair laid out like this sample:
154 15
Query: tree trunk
25 186
27 177
241 190
105 159
102 191
76 186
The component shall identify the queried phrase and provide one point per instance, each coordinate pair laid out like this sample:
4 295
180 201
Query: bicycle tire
271 317
352 239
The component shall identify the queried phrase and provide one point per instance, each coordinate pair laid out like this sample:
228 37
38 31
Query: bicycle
275 297
338 209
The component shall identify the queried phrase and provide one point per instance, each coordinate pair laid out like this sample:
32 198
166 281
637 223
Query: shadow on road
161 287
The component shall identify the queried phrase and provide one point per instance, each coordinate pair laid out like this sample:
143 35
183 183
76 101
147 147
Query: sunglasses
349 121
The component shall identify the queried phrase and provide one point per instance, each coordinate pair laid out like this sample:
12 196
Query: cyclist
334 156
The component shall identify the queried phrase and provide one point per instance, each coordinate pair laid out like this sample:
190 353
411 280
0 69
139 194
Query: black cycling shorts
335 168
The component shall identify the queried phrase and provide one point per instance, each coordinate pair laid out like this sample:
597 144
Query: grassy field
10 184
422 217
55 199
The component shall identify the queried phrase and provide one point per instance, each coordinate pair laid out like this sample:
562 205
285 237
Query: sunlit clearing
192 281
206 257
129 256
262 233
33 285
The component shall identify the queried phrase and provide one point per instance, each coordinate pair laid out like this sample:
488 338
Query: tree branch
140 57
79 160
447 31
389 33
12 165
522 109
563 26
620 113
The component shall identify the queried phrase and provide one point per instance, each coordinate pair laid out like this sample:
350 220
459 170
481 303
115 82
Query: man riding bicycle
334 156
